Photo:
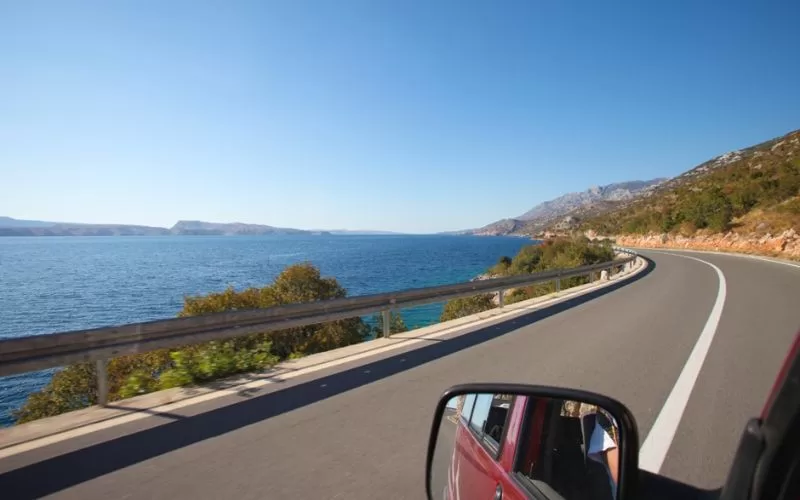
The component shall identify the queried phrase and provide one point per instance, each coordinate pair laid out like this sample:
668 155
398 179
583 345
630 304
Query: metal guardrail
39 352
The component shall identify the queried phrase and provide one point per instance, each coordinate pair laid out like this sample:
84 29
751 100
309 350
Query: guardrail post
102 382
387 320
591 277
558 284
500 295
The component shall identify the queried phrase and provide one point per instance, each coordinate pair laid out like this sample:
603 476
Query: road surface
362 431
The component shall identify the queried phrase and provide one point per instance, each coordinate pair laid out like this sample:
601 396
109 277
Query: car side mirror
538 441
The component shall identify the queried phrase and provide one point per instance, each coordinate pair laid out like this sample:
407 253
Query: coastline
111 281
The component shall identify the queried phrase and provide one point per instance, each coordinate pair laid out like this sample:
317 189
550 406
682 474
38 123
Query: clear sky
412 116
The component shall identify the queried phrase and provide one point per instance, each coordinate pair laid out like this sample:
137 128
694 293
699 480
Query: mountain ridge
565 211
563 204
750 191
10 226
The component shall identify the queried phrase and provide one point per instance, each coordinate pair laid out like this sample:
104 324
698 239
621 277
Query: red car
555 446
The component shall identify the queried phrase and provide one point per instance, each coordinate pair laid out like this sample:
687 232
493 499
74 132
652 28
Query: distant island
19 227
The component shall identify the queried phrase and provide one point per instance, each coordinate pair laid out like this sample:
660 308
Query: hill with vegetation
560 253
750 191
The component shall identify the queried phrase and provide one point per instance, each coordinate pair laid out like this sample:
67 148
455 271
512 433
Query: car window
466 409
489 417
480 412
552 451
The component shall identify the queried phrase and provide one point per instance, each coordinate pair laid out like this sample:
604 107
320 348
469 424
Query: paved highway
360 430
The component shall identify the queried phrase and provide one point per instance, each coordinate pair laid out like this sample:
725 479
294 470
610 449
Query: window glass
466 410
489 416
480 413
556 448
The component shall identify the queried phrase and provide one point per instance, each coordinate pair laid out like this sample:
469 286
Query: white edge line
711 252
656 445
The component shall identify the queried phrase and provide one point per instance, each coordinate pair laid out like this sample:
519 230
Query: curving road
360 430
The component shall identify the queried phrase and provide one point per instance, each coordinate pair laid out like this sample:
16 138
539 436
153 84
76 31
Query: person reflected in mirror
602 446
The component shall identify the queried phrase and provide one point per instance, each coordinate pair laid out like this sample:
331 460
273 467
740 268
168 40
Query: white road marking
658 441
730 254
764 259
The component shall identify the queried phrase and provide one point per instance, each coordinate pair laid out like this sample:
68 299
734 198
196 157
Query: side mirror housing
539 441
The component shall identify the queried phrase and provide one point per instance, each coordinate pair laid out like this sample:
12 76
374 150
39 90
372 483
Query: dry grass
772 220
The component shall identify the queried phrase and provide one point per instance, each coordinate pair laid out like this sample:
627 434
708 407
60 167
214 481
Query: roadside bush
790 207
459 308
74 387
561 253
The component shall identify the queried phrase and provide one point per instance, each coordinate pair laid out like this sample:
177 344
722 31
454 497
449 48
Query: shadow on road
60 472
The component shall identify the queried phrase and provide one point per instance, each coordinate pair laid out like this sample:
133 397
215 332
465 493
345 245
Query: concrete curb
24 437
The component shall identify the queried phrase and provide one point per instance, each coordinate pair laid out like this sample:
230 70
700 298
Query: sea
56 284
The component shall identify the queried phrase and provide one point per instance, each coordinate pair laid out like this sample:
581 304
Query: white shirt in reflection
599 442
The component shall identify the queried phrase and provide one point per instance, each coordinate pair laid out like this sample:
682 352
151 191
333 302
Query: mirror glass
523 446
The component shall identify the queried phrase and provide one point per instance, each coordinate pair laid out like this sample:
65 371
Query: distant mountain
566 211
18 227
356 232
84 230
567 203
195 227
500 228
7 222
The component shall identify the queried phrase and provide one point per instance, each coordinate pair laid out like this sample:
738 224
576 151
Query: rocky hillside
786 244
565 212
752 191
570 202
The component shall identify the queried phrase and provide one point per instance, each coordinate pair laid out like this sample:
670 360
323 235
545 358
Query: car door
484 451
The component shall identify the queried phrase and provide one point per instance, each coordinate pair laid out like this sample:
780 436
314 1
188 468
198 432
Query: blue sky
412 116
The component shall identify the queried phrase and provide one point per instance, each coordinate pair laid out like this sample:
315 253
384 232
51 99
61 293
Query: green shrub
458 308
74 386
790 207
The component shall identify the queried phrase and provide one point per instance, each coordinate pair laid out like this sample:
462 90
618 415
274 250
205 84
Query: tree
74 387
709 209
458 308
296 284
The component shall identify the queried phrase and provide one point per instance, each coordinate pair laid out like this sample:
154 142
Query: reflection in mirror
527 446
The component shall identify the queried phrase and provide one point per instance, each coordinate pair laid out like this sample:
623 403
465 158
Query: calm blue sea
52 284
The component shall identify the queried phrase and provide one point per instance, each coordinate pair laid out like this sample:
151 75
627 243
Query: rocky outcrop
565 204
785 244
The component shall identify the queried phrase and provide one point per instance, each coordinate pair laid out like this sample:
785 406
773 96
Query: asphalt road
361 430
